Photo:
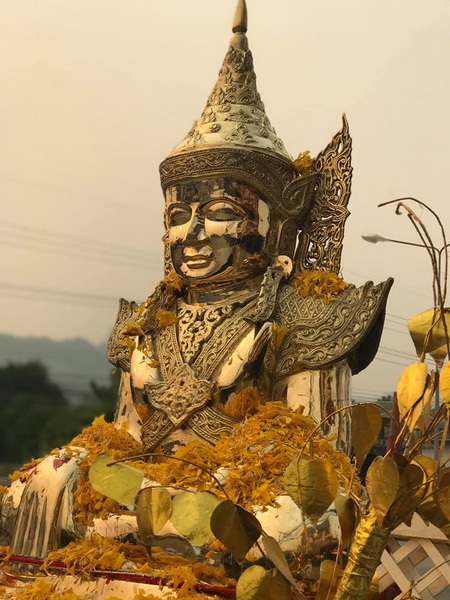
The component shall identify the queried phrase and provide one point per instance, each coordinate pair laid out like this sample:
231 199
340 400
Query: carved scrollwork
321 333
320 242
268 173
117 353
210 424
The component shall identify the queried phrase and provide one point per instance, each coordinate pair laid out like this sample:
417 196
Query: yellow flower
325 284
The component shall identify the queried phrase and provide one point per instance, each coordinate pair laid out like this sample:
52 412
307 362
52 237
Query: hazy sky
95 93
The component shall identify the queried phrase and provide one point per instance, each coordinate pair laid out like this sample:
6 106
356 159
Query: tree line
35 416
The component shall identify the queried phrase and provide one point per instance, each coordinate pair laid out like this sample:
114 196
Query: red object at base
208 590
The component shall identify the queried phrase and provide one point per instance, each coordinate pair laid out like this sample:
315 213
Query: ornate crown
235 137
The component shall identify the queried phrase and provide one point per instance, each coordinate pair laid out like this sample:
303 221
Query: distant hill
72 364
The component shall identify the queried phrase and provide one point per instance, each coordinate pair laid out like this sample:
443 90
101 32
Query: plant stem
365 554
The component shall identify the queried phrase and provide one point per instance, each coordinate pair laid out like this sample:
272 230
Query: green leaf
153 510
120 482
366 426
236 528
192 514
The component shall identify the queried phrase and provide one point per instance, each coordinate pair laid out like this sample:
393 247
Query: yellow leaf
413 418
366 426
191 515
346 511
312 484
411 386
119 482
153 510
279 333
236 528
444 383
442 493
382 483
257 584
276 555
419 327
330 575
410 493
132 328
304 163
249 583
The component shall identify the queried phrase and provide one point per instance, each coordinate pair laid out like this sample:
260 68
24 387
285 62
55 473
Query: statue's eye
179 216
222 211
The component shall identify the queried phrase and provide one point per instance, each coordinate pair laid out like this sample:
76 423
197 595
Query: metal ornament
322 234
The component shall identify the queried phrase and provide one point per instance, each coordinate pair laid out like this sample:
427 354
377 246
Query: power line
400 353
59 293
391 362
68 237
397 287
396 317
396 331
80 256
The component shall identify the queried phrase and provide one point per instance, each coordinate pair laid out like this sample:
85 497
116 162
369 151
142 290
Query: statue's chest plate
196 325
203 338
182 396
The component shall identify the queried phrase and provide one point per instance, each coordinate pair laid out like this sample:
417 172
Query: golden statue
251 300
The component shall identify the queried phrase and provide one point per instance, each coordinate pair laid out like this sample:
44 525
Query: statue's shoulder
321 332
118 353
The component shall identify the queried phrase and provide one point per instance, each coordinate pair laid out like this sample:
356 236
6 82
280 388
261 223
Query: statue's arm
321 392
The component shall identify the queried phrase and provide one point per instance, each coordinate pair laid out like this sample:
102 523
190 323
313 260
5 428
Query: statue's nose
196 231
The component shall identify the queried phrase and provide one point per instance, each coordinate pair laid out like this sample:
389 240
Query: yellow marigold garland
325 284
43 590
253 475
98 438
304 163
107 553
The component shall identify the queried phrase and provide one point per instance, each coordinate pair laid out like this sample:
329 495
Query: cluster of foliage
35 416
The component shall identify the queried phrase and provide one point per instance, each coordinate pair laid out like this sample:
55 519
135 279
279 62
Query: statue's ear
287 237
298 195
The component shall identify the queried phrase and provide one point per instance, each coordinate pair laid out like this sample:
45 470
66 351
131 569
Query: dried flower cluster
98 438
254 456
304 163
106 553
325 284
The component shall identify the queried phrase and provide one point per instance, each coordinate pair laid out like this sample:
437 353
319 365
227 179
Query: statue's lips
198 261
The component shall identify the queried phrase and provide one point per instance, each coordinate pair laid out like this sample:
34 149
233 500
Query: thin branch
411 589
441 226
182 460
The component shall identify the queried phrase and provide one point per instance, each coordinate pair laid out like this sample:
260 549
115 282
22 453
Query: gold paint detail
366 550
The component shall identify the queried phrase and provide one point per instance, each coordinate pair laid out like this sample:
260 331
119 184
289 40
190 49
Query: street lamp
374 238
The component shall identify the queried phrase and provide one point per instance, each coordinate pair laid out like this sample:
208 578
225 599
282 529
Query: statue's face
213 225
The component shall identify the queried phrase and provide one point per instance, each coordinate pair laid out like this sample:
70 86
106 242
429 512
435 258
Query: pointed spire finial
240 18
